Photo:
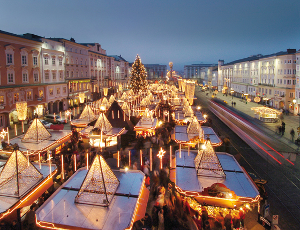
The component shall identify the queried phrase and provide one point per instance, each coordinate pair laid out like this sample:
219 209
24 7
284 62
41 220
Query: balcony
265 84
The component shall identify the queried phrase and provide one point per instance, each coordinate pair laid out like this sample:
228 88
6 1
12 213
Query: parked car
46 123
57 120
260 184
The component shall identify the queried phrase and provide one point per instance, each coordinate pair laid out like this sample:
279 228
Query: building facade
20 75
272 78
203 73
156 71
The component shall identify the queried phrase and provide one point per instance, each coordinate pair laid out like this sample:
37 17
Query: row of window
47 75
51 91
286 71
286 82
24 61
16 97
25 78
46 61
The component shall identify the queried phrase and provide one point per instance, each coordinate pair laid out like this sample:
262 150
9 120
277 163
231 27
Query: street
283 180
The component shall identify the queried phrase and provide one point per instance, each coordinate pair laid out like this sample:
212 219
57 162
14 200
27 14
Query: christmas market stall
146 125
194 133
86 117
103 134
96 198
214 180
266 114
38 140
21 184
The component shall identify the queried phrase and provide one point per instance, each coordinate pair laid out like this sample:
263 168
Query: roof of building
115 116
28 36
61 210
200 65
260 56
118 58
236 179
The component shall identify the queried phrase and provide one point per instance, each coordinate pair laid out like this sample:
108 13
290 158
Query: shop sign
267 210
39 99
275 219
264 222
1 107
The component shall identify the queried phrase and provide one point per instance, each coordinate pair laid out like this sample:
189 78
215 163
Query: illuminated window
58 91
29 95
41 93
1 99
51 92
60 75
64 89
16 97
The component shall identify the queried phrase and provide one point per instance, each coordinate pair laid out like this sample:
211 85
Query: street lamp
232 91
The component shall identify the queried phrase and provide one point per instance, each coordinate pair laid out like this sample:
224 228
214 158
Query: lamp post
294 103
232 91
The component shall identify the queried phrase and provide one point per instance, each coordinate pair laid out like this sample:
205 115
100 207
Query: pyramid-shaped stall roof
99 185
207 163
88 114
37 132
102 123
115 116
18 176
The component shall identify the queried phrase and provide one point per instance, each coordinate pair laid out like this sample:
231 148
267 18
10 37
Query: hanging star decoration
161 153
3 134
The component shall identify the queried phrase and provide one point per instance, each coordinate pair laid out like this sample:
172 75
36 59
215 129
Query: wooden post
151 159
170 156
180 150
129 157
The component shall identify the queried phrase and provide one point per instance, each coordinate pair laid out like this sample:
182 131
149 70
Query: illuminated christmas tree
138 77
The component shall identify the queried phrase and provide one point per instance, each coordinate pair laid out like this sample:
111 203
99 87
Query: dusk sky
181 31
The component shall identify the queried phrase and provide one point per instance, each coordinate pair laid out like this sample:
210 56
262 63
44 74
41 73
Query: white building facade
270 77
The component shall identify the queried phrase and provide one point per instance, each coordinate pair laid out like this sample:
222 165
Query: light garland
36 132
207 163
99 185
87 114
18 175
21 108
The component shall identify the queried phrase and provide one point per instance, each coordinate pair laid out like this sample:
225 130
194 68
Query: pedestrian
30 217
161 224
204 216
228 220
292 134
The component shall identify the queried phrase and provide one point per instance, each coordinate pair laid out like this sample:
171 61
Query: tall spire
99 185
18 176
103 123
207 163
87 114
36 132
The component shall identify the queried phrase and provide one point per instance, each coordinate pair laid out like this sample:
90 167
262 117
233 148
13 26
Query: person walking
292 134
